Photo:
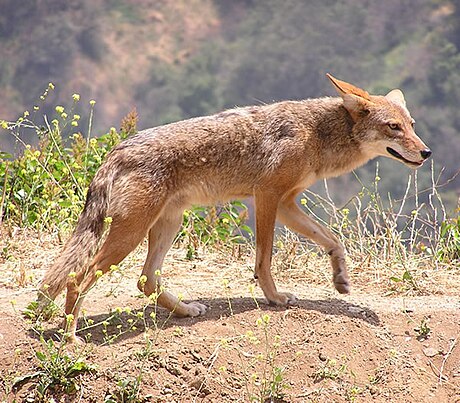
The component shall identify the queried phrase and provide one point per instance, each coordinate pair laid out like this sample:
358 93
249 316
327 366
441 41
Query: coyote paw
70 337
342 284
192 309
282 299
75 340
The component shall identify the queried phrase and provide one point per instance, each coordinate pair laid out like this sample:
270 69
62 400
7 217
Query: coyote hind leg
123 237
161 236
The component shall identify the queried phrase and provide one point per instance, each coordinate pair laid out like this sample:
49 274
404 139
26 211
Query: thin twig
451 348
4 192
435 369
212 358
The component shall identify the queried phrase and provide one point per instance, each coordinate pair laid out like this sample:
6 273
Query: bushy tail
84 242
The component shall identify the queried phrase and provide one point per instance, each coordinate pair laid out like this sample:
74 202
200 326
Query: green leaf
41 356
65 203
407 276
24 378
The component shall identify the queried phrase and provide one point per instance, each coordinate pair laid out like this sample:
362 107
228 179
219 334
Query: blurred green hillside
177 59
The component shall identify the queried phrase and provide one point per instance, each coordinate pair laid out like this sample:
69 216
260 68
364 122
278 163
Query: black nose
426 153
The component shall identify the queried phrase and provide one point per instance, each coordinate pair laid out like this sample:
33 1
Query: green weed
407 280
331 369
35 313
423 330
57 370
127 391
449 234
258 352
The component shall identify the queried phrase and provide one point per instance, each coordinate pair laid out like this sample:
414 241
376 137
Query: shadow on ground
101 328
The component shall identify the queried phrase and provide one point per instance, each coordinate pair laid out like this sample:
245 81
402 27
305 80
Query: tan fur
269 152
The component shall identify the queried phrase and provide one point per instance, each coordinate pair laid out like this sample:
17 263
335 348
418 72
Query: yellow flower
59 109
92 102
76 97
143 280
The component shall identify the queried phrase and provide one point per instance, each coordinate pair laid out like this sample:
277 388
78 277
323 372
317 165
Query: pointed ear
355 100
344 88
357 107
396 96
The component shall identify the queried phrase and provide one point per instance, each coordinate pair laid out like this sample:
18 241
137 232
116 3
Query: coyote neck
335 136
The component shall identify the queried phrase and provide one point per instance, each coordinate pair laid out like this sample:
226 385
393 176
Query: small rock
373 390
196 356
322 357
173 370
355 310
430 351
199 384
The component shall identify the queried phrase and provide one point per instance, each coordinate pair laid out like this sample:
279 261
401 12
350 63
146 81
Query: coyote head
386 125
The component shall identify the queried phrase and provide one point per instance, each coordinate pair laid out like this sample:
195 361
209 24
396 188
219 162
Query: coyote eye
394 126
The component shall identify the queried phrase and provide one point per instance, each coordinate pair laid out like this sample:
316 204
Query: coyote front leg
266 206
290 214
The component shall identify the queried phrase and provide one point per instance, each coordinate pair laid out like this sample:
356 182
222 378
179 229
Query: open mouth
397 155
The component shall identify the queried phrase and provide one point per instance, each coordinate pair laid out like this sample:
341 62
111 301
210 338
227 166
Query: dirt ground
382 343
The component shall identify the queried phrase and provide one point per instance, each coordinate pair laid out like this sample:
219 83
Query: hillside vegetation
177 59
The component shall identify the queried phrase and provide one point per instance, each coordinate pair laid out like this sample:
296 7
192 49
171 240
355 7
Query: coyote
270 152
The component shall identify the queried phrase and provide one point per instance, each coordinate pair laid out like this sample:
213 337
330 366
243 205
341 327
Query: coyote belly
269 152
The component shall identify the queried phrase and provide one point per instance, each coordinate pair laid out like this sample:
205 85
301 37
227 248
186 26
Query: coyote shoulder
269 152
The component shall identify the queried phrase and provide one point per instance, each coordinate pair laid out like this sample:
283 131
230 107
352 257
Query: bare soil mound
374 345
